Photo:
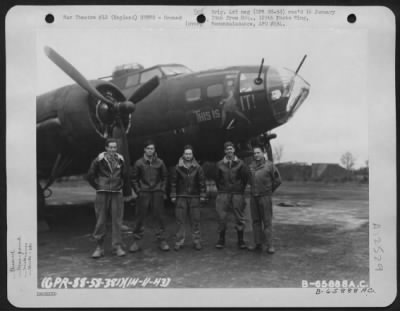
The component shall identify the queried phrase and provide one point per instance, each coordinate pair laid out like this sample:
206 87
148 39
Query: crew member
106 175
265 179
188 190
149 179
232 177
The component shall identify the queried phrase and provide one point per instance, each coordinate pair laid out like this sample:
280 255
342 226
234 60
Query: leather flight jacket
149 175
232 176
188 181
103 177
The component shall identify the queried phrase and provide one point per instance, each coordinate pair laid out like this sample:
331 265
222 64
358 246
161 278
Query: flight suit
107 177
188 186
265 179
148 179
232 177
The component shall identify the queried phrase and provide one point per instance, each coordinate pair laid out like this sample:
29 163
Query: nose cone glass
286 91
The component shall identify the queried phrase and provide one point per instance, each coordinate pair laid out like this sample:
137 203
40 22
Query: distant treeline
323 172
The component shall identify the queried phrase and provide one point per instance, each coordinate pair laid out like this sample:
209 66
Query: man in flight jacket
232 177
106 175
149 179
188 189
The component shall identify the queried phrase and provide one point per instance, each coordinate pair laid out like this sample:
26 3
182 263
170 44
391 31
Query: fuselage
203 109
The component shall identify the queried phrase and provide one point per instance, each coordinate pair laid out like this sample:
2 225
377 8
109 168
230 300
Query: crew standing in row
188 190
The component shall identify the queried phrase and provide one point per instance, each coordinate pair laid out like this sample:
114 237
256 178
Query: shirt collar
150 159
191 163
226 160
111 156
259 163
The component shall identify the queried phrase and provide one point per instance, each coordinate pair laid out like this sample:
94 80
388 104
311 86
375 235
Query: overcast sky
332 120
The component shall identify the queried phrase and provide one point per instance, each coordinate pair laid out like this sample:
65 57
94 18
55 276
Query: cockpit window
193 95
247 82
173 70
132 80
147 75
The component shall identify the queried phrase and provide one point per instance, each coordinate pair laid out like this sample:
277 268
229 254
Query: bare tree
348 160
278 152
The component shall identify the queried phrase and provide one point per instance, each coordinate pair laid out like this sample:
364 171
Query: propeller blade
126 107
145 89
74 74
119 133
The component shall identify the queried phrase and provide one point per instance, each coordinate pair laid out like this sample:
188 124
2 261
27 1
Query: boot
164 246
197 246
241 243
119 251
221 241
134 247
179 244
255 248
125 228
99 251
269 249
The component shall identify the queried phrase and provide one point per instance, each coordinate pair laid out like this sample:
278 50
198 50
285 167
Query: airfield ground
324 236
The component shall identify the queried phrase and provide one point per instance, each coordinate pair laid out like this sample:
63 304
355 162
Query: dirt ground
320 234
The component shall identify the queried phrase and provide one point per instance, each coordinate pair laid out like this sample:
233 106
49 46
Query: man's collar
147 158
260 162
234 159
105 154
182 163
111 155
150 159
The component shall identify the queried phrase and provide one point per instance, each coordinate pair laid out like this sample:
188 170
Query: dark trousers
223 202
261 213
150 203
104 202
184 207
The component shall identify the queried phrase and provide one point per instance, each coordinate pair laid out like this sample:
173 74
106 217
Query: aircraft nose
286 91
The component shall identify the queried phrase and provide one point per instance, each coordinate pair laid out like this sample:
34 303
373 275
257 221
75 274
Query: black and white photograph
213 149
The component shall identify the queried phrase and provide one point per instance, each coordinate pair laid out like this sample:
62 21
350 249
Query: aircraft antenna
258 80
301 64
